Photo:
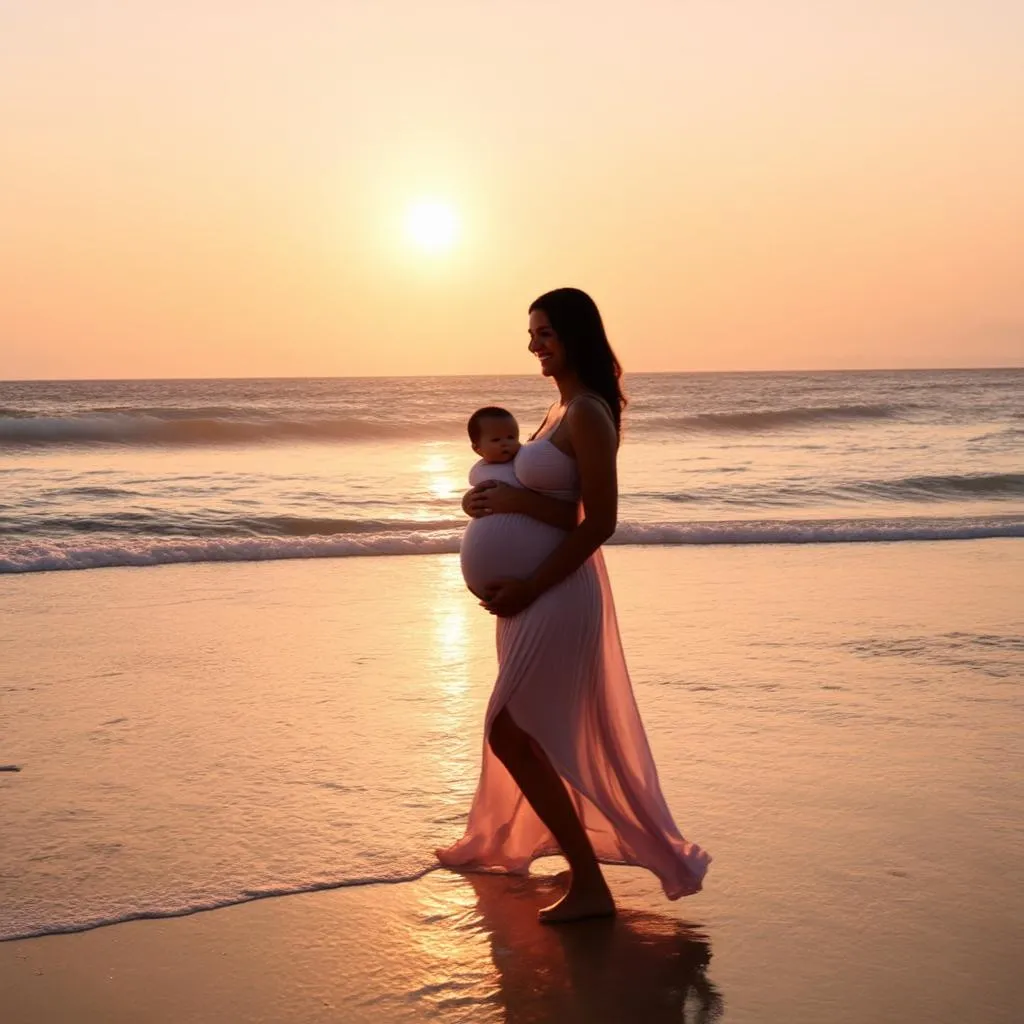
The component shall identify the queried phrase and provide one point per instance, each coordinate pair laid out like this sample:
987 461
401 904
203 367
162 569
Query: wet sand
839 725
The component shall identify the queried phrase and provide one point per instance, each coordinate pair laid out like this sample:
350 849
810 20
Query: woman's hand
490 497
474 502
501 497
508 597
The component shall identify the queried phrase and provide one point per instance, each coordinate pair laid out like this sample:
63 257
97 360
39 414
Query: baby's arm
480 474
494 472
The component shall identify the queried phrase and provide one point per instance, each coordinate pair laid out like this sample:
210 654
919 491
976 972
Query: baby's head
494 434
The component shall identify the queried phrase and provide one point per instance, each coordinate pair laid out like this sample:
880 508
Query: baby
484 552
505 545
494 436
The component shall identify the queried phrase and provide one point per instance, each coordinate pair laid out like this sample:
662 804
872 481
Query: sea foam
74 553
186 909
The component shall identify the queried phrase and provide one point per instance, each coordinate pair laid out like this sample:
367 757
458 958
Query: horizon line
449 376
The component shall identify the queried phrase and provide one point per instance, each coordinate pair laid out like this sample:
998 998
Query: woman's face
544 344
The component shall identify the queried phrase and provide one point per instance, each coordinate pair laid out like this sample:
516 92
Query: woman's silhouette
566 763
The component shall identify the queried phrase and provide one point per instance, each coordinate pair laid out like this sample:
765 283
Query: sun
431 225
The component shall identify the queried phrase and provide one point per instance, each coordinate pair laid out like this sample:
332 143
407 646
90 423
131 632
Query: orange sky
216 187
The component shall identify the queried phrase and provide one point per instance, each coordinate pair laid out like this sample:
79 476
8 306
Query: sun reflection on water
443 482
450 620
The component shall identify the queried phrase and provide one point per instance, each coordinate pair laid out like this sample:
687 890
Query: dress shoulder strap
560 429
589 394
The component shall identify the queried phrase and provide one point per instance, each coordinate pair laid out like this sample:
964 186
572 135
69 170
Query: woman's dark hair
576 320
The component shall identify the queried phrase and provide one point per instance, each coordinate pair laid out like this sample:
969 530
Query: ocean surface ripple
136 473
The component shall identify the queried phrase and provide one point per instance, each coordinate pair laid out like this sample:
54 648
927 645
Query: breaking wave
213 425
203 427
773 419
989 485
51 554
951 487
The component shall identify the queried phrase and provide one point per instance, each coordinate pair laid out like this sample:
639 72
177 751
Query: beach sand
838 724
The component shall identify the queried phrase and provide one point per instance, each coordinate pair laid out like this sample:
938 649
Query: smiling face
544 344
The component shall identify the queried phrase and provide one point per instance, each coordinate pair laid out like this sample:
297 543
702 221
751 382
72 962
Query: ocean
271 715
133 473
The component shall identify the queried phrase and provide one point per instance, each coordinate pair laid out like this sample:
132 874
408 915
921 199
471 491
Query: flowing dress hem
673 890
673 887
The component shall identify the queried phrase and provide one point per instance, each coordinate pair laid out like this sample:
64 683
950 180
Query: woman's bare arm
595 444
553 511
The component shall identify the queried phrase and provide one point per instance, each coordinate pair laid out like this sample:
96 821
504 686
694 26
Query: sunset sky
222 188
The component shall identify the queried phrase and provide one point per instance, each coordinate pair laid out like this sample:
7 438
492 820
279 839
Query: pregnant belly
505 545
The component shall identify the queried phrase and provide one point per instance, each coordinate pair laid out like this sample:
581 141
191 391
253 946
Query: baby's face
499 439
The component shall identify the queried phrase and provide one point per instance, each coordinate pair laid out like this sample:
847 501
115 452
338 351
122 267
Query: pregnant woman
566 764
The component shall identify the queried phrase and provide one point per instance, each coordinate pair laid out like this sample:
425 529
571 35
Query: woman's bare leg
588 894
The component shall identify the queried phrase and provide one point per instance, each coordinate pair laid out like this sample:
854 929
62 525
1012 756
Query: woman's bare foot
583 900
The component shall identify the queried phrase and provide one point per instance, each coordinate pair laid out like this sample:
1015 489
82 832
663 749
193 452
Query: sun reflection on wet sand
450 627
453 953
491 952
454 662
